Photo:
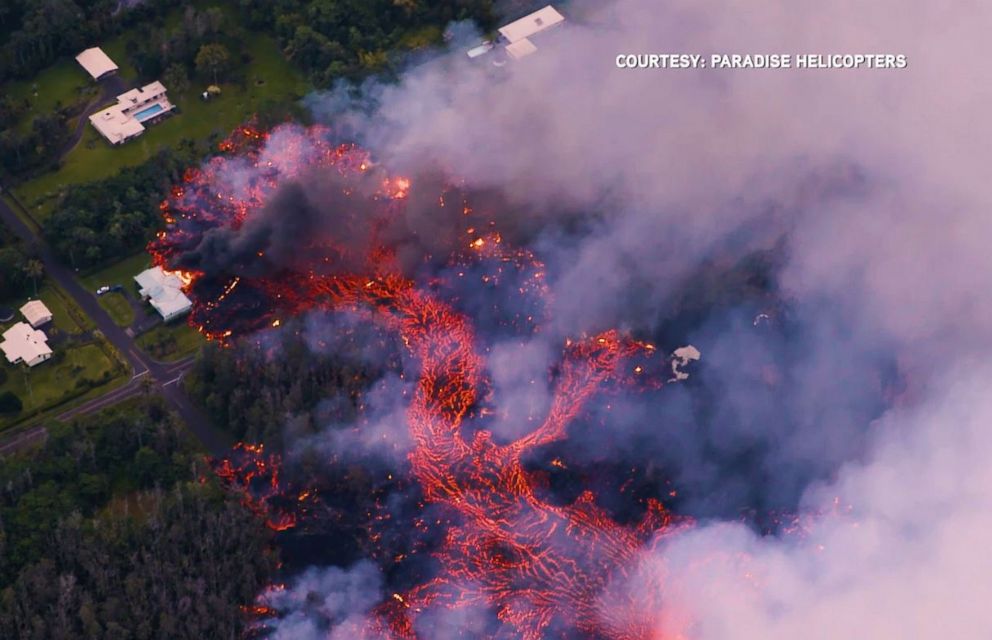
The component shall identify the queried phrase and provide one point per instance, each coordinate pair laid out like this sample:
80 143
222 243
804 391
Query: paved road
133 388
163 375
22 440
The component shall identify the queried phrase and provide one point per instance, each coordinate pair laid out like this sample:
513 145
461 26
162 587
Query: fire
186 277
538 565
398 187
254 475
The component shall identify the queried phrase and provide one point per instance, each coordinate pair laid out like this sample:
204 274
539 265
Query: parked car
102 290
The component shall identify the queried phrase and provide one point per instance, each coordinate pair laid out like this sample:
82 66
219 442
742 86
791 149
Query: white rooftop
36 313
21 343
529 25
117 123
520 48
485 47
114 125
96 62
137 96
164 291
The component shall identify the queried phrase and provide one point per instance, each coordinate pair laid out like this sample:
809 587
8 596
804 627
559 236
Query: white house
126 119
21 343
530 25
97 63
517 35
36 313
520 49
164 291
515 38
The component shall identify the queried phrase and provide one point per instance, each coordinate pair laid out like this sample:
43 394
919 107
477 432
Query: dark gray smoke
821 237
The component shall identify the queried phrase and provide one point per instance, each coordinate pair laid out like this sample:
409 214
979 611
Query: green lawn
117 50
171 342
66 316
61 84
268 78
118 308
51 383
121 272
65 82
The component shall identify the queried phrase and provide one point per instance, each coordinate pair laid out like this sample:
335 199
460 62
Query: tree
34 269
213 59
175 78
10 403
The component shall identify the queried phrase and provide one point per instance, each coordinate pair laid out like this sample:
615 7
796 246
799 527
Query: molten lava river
544 569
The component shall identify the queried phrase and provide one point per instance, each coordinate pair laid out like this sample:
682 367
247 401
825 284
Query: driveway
163 376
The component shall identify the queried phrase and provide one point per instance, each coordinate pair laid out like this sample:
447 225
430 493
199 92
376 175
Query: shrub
10 403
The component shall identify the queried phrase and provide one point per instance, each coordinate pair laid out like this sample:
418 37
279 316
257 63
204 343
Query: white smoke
326 603
905 558
877 178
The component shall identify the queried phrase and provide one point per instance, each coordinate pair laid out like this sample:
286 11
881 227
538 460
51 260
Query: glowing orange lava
539 566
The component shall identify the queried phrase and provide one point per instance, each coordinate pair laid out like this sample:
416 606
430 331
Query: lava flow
255 476
542 568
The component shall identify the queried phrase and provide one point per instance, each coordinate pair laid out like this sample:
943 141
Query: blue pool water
151 111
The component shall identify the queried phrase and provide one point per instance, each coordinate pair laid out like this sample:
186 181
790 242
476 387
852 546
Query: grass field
170 342
121 272
118 308
75 371
52 383
268 78
62 84
66 316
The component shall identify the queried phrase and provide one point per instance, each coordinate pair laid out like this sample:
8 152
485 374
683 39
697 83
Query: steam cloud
866 191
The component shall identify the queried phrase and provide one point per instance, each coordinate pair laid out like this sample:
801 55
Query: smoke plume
819 235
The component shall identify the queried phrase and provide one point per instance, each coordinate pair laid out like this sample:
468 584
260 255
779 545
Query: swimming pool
150 112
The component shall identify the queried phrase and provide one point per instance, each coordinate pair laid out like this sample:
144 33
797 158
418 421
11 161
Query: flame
536 563
256 477
186 277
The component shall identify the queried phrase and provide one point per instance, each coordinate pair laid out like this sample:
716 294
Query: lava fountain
542 568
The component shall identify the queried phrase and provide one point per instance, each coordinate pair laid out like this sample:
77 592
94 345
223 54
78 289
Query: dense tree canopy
257 387
36 32
16 267
107 532
38 146
99 221
334 39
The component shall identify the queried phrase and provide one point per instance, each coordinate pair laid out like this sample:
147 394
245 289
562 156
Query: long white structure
531 25
97 63
164 291
21 343
517 35
36 313
126 119
515 38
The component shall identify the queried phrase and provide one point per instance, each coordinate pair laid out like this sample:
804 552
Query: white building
164 291
126 119
97 63
21 343
36 313
517 35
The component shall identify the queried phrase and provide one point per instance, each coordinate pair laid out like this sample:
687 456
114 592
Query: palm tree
34 269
